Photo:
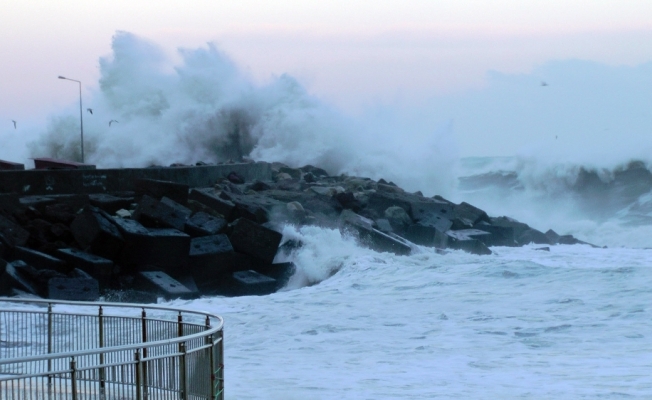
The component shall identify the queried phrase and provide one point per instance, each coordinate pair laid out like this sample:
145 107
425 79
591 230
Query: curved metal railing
108 351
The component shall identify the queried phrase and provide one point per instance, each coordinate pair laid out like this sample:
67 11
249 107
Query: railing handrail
108 304
111 349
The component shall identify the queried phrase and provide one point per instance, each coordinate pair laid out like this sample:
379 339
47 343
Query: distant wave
566 194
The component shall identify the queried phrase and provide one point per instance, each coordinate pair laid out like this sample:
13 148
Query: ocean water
573 322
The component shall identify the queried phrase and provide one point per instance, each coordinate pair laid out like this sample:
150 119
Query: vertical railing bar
144 338
49 333
138 378
73 378
183 387
100 327
220 365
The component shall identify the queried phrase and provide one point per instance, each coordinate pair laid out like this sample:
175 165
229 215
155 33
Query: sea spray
206 109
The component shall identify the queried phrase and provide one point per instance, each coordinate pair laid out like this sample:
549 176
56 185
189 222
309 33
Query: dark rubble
167 239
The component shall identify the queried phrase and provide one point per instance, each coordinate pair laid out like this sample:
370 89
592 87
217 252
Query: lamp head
62 77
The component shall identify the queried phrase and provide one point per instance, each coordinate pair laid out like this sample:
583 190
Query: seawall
66 181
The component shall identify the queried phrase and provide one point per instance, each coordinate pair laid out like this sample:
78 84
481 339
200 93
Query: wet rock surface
169 239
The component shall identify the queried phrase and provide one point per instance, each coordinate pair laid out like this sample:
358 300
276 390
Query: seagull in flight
112 121
14 123
90 110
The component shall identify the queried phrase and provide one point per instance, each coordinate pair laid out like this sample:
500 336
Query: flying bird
544 83
14 123
90 110
112 121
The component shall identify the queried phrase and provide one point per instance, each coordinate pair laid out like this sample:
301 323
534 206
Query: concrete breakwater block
158 189
11 277
167 249
204 224
110 203
427 235
498 235
255 240
165 213
96 266
281 272
11 233
78 287
94 231
467 240
249 283
208 255
255 207
165 286
209 198
368 236
40 260
466 216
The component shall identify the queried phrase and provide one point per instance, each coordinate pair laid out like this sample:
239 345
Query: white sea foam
522 323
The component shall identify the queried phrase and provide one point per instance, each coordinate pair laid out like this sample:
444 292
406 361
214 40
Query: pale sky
352 54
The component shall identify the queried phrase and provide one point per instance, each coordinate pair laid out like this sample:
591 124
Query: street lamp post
81 115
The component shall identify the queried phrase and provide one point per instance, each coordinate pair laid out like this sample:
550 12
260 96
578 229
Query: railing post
100 324
138 371
144 338
73 378
49 343
183 384
220 365
179 324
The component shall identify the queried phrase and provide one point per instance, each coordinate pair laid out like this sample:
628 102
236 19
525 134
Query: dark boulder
362 228
468 240
93 231
250 238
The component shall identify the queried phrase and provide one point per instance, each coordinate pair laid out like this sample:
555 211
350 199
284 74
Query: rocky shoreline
168 239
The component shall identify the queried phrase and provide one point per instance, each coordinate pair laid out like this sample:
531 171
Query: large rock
426 235
497 235
281 272
467 240
255 207
368 236
433 213
164 248
210 199
165 286
249 283
98 267
211 259
110 203
96 233
11 277
77 287
11 233
165 213
204 224
158 189
41 260
466 216
380 201
532 235
250 238
518 227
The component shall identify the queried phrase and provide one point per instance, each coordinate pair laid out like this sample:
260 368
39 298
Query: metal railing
108 351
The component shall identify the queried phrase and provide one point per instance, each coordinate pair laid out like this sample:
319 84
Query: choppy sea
574 322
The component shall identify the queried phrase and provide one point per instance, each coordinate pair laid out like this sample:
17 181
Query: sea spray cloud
207 109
